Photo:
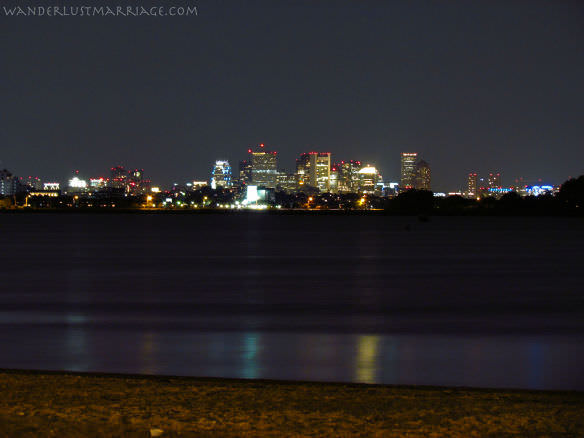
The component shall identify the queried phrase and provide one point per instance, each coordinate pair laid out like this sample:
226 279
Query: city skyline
417 175
478 86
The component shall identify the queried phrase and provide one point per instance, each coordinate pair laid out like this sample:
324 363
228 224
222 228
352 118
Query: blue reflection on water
250 369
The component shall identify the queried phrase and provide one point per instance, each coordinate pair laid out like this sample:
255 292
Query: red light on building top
249 151
261 145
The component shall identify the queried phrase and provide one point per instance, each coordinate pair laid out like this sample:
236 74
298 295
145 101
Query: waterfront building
264 166
408 170
423 176
221 175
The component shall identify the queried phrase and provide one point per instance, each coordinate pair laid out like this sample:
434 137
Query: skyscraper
244 172
314 169
423 176
264 167
408 170
494 181
472 186
369 178
118 177
8 183
221 174
348 176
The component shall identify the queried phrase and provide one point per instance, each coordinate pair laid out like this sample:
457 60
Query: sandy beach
52 404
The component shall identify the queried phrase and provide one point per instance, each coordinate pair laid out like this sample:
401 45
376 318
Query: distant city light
77 183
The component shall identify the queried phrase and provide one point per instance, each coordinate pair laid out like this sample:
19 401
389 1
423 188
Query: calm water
491 302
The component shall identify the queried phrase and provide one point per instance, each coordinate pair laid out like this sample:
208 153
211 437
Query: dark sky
470 85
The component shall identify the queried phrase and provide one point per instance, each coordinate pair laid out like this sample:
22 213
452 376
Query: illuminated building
348 176
408 170
45 193
494 181
244 172
286 182
256 196
472 184
136 176
221 174
51 186
8 183
314 169
199 184
97 183
334 180
303 170
77 185
423 176
119 177
368 180
32 182
263 167
539 190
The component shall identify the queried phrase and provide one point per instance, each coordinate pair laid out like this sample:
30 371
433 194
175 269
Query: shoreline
422 216
64 403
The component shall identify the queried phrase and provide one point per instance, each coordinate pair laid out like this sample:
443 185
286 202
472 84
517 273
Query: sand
89 405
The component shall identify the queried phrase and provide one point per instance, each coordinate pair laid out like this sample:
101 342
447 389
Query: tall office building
334 179
472 186
136 176
8 183
494 181
314 169
286 182
264 167
423 176
118 177
408 170
221 174
244 172
348 176
369 178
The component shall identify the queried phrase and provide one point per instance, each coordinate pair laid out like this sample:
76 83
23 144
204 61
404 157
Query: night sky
470 85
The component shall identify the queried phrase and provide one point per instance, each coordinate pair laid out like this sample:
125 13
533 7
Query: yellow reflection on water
367 354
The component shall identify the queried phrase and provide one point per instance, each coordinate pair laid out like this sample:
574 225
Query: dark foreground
70 405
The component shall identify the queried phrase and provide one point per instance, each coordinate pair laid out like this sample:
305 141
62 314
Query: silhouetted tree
415 201
510 201
572 192
455 203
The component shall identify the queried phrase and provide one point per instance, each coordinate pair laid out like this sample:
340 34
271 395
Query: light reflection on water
532 362
367 359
